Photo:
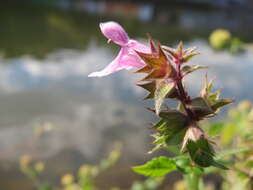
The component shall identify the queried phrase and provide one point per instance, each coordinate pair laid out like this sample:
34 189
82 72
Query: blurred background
51 111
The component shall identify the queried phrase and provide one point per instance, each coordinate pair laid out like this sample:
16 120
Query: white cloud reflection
85 111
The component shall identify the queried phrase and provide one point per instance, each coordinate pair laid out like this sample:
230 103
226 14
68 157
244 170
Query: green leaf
150 87
197 170
202 153
205 92
214 97
157 167
171 128
180 107
180 47
189 69
160 124
221 103
176 138
205 146
201 107
160 93
219 165
225 153
174 118
182 161
189 56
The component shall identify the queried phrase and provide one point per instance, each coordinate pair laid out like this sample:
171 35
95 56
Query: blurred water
44 87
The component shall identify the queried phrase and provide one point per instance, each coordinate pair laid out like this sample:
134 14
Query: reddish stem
183 96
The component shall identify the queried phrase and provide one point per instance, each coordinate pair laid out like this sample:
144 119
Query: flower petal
126 59
132 59
133 44
113 31
114 66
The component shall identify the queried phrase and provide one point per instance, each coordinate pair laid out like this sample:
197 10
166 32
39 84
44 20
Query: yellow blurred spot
220 38
84 170
179 185
250 116
67 179
73 187
233 112
24 161
244 106
39 166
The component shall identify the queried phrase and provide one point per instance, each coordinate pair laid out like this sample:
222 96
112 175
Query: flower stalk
192 181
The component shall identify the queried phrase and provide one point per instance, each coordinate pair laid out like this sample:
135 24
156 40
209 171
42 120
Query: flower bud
193 133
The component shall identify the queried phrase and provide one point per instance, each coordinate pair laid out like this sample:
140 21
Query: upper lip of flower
127 57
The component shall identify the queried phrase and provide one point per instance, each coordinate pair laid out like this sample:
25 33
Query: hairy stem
184 98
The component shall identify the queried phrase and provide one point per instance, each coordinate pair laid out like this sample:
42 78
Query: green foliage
83 180
148 184
202 153
150 87
157 167
231 152
179 126
201 107
187 69
221 102
214 129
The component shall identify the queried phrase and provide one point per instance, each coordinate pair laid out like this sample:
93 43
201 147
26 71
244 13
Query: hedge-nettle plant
178 129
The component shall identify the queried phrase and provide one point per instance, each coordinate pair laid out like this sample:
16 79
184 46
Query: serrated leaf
161 92
171 122
219 165
154 74
157 147
202 153
189 69
221 103
171 127
200 107
208 85
180 107
190 50
180 47
174 118
145 69
157 167
160 124
205 146
189 56
176 138
158 65
170 50
212 98
150 87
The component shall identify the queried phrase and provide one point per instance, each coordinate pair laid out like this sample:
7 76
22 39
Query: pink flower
127 57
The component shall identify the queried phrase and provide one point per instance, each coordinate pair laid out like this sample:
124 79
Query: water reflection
84 109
